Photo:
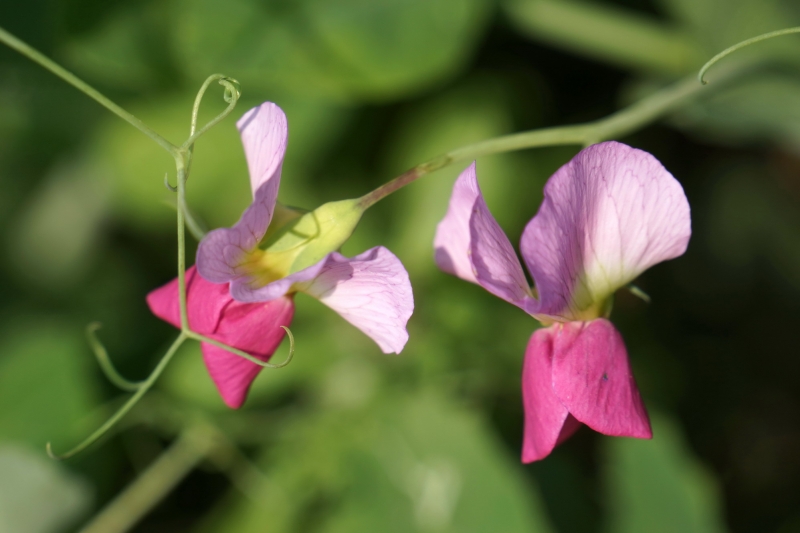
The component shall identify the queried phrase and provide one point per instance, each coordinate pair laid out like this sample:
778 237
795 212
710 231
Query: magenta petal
452 241
371 291
264 133
205 302
609 214
547 420
253 328
592 377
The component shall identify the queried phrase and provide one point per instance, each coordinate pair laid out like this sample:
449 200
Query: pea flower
242 289
608 214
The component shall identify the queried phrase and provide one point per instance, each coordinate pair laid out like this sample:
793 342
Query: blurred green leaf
38 495
608 33
46 385
659 486
407 463
341 49
54 236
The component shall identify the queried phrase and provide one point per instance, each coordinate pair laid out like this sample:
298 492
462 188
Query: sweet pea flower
609 214
242 289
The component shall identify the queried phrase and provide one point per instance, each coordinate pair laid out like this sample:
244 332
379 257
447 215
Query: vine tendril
105 362
737 46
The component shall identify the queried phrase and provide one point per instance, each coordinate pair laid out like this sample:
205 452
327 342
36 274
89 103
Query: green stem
105 361
245 355
615 125
160 478
37 57
145 386
701 75
180 163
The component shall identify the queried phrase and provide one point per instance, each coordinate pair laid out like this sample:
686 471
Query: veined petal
609 214
452 241
592 378
253 328
470 244
547 420
264 134
243 290
371 291
264 131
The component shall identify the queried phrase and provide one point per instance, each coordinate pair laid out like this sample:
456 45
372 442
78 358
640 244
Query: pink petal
243 291
205 302
609 214
371 291
593 379
253 328
452 240
547 420
264 134
470 244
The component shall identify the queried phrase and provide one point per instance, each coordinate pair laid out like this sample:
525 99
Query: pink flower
242 292
609 214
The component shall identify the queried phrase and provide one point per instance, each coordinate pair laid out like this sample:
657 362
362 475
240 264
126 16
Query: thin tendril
105 362
122 411
167 185
45 62
737 46
639 293
231 96
245 355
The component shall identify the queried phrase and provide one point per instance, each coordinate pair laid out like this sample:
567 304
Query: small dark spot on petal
605 376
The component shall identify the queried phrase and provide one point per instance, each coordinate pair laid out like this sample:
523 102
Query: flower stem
122 411
160 478
615 125
37 57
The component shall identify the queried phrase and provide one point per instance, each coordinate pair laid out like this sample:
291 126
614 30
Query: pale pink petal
264 131
264 134
243 290
592 377
609 214
452 241
547 420
371 291
253 328
470 244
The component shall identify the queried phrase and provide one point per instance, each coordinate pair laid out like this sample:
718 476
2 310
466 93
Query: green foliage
658 486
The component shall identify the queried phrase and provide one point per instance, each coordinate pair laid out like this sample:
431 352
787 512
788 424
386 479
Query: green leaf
659 486
340 49
608 33
38 495
46 385
397 464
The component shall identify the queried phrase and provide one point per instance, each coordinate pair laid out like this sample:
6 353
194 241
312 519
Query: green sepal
307 239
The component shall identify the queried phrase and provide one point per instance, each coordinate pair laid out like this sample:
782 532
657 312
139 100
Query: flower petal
547 420
205 302
371 291
253 328
243 291
609 214
264 134
452 241
264 131
470 244
592 377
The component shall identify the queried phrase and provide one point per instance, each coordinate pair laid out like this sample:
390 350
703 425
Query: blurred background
346 439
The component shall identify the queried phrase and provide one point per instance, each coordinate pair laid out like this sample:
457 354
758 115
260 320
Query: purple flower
609 214
268 255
